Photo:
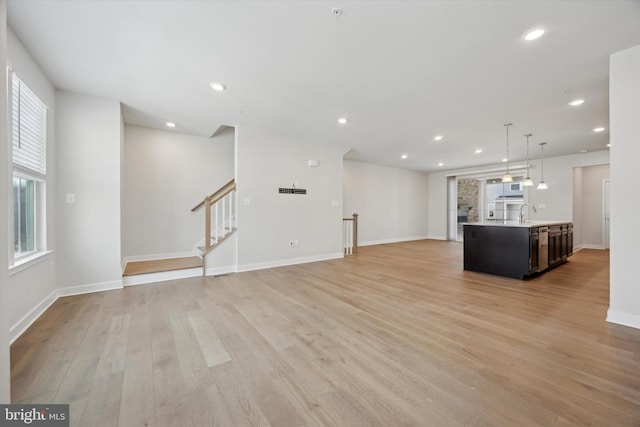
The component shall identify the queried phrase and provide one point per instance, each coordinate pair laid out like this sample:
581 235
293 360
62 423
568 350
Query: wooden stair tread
160 265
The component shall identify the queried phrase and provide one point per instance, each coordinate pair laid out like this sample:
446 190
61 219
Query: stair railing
350 235
221 205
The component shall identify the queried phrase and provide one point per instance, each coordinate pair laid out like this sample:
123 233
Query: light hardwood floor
396 335
159 265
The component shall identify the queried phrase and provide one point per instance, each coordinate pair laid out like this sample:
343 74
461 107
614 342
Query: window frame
17 256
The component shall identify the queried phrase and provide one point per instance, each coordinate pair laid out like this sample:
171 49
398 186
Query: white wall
624 112
165 175
267 161
5 375
558 199
32 286
88 165
391 202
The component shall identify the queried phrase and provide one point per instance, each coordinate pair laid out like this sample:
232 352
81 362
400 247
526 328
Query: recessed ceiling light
505 160
576 102
342 120
219 87
600 129
404 156
170 124
479 150
438 137
440 164
534 34
608 145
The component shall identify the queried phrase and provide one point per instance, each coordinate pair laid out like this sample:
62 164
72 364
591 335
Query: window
29 154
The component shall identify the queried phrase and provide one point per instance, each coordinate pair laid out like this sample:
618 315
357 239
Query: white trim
290 261
28 261
163 276
439 238
625 319
219 271
394 240
27 320
589 246
87 289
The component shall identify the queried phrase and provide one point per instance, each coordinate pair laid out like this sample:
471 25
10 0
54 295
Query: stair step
160 265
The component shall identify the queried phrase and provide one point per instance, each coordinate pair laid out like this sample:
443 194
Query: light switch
70 198
542 206
247 202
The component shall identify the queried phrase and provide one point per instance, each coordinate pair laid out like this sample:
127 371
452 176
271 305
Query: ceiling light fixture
507 176
170 124
404 156
438 137
342 120
528 182
505 160
534 34
542 185
609 145
440 164
600 129
576 102
218 87
478 151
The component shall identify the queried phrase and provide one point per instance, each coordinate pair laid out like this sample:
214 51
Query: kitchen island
518 250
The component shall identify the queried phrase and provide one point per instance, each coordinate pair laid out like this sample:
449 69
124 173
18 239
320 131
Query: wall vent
292 190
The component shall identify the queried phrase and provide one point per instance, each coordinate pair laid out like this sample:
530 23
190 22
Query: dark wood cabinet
555 244
516 251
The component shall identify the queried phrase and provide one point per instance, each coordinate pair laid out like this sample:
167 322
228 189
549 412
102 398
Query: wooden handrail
217 195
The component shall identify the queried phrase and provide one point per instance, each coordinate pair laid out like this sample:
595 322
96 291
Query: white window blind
29 127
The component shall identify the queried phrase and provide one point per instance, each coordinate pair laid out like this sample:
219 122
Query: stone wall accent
468 191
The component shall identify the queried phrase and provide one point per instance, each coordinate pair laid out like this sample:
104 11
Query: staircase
219 225
220 219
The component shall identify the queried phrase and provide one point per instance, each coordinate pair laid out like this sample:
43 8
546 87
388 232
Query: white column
624 113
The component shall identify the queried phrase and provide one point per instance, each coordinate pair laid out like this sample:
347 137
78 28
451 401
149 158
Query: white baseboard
27 320
394 240
163 276
587 246
219 271
290 261
87 289
437 238
625 319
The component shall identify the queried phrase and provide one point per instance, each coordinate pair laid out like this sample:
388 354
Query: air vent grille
292 190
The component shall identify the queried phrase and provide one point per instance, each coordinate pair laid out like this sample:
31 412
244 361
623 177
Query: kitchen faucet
522 211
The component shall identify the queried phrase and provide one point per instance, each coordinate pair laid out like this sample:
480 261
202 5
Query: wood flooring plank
398 334
157 266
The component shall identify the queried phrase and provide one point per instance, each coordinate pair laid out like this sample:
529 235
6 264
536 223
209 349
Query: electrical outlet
542 206
296 243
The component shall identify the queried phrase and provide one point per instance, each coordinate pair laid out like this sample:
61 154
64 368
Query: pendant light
542 185
528 182
507 176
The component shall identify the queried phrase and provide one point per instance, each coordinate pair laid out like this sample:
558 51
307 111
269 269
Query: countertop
527 224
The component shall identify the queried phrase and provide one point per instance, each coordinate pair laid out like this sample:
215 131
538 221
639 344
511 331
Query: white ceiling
401 71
